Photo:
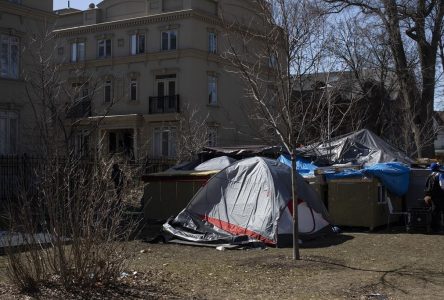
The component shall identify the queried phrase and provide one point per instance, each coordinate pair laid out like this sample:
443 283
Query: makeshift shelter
362 147
303 166
167 193
218 163
252 197
240 152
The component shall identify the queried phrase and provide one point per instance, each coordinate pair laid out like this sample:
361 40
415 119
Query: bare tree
70 225
275 53
414 29
192 133
364 50
76 205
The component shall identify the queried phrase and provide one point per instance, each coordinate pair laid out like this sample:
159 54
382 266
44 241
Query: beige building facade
140 64
19 19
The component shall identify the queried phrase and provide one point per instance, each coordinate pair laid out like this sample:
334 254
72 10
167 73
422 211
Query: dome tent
249 200
217 163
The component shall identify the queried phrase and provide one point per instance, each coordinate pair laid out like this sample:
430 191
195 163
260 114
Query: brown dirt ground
349 266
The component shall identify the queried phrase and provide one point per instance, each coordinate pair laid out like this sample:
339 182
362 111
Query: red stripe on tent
290 205
237 230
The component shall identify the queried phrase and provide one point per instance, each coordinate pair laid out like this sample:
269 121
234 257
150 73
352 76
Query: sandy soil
348 266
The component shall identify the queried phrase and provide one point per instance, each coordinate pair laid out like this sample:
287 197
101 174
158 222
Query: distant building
439 127
356 101
19 19
151 59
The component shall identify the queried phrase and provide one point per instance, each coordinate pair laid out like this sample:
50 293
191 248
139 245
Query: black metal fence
18 173
154 165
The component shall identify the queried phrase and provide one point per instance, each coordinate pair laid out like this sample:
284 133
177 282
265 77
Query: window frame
75 49
8 70
212 42
158 145
136 45
108 85
105 47
212 133
11 138
133 83
213 98
169 32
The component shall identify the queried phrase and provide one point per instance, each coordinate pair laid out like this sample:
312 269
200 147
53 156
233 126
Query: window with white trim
77 51
104 48
137 42
8 132
212 136
169 40
108 91
212 42
164 142
9 56
212 90
81 143
133 91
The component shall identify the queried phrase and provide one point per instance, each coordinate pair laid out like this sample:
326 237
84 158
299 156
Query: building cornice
139 21
142 58
11 8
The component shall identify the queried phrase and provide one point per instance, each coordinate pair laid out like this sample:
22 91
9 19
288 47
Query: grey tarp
249 198
361 147
218 163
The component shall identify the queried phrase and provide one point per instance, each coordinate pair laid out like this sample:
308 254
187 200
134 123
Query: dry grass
358 266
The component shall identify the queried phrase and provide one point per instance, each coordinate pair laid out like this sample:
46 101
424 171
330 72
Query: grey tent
250 198
361 147
217 163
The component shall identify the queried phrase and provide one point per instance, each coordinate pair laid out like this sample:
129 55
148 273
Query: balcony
79 109
164 105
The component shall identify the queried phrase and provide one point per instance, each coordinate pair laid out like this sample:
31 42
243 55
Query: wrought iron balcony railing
79 109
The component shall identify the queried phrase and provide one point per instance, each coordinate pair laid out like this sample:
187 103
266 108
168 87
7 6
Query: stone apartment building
147 62
18 20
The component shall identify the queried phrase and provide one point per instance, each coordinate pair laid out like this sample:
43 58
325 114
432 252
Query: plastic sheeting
303 166
247 198
362 147
218 163
394 176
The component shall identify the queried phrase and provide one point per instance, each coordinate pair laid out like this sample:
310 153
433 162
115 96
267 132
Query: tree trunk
294 195
407 81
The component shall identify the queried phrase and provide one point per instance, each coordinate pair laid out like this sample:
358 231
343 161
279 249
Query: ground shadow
318 242
327 241
389 279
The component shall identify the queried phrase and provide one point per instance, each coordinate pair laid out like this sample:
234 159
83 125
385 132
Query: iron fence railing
19 173
81 109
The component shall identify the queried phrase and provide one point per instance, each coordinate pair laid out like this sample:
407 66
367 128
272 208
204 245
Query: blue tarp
393 175
303 166
346 173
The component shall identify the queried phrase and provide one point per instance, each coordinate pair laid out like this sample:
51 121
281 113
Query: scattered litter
220 248
376 296
143 251
165 265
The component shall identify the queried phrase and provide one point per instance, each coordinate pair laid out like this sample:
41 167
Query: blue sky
79 4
